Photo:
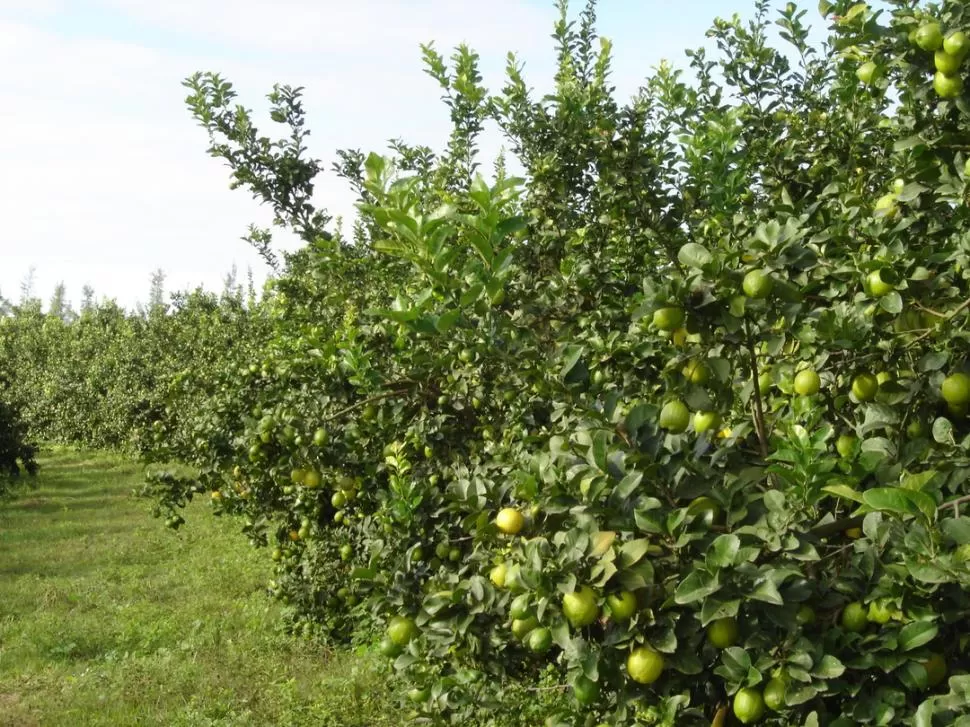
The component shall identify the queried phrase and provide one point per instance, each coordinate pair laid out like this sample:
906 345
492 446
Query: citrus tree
17 453
672 430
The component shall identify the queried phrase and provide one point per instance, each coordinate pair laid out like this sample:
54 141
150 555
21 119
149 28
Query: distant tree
87 298
156 295
27 287
60 307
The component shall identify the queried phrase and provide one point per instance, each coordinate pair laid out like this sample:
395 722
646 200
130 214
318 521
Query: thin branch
363 402
758 412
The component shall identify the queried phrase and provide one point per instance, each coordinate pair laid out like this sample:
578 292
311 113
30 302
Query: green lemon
338 500
886 206
521 606
644 665
947 87
580 607
668 319
880 612
498 574
522 627
956 389
723 632
876 286
854 617
805 615
945 63
696 372
311 479
929 37
749 705
622 605
774 694
320 437
757 284
957 44
540 640
845 445
675 416
807 382
764 382
867 72
706 420
509 520
388 648
585 690
401 630
865 387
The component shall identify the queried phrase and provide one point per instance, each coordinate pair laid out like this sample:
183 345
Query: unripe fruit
956 389
498 574
886 206
675 416
929 37
580 607
774 694
696 372
876 286
947 87
509 520
845 445
622 605
945 63
644 665
668 319
807 383
854 617
705 421
749 705
867 72
957 44
865 387
757 284
723 633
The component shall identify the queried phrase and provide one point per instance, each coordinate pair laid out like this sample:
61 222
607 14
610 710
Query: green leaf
844 491
714 609
892 303
694 255
723 551
768 592
829 667
696 586
889 499
916 634
957 529
943 431
631 552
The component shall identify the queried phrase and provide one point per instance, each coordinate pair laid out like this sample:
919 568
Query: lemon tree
630 394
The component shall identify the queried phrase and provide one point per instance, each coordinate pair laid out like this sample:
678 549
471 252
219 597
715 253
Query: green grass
108 618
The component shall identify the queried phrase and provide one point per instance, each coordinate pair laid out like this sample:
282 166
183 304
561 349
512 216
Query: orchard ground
108 618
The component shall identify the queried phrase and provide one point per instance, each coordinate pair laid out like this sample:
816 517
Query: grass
108 618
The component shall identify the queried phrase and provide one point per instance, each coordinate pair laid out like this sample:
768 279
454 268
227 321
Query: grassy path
107 618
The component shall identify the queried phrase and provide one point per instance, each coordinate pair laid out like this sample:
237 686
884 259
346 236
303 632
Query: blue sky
105 176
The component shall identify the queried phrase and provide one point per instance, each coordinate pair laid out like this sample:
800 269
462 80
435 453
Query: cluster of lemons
948 54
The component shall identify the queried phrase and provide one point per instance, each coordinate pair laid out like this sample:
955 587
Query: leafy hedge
671 431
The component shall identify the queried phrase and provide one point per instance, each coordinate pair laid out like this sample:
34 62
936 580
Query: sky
104 175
